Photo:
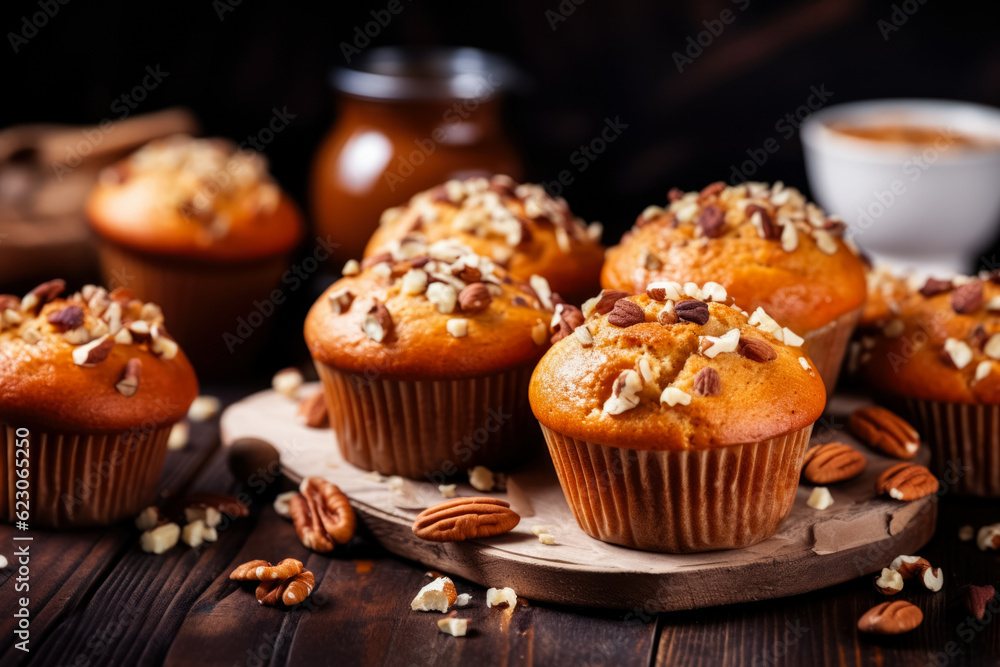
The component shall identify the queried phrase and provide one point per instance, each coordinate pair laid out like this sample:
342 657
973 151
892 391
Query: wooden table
97 599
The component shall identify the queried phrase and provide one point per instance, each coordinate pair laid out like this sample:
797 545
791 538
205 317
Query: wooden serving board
858 535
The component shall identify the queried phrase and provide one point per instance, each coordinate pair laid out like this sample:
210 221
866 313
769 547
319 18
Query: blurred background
695 90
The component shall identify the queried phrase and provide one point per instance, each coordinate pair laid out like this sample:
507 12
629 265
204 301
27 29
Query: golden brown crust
933 352
805 278
753 400
513 328
520 227
197 198
42 383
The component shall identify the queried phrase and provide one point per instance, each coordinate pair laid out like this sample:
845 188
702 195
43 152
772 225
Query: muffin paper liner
680 501
964 441
202 301
827 345
82 479
430 429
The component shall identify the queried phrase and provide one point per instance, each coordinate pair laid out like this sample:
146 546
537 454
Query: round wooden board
859 534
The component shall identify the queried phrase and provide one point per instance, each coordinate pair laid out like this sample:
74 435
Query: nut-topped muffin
518 226
767 246
90 386
940 357
199 227
425 356
677 422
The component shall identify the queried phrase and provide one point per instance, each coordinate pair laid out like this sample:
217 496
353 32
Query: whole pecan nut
891 618
692 311
755 349
885 431
607 300
288 592
967 298
322 515
626 314
262 570
768 229
906 481
707 382
832 462
933 287
465 519
712 221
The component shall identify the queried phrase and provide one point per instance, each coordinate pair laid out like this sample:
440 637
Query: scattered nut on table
160 539
501 598
975 598
287 382
891 618
820 498
889 582
456 627
322 515
435 596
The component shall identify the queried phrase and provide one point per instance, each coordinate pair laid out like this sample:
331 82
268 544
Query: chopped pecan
768 229
223 503
129 382
711 221
378 322
42 294
465 519
967 298
570 317
322 515
906 481
626 314
379 258
692 311
885 431
978 337
93 352
313 411
832 462
707 382
607 300
756 350
474 298
467 274
711 190
288 592
262 570
675 194
667 314
69 317
933 286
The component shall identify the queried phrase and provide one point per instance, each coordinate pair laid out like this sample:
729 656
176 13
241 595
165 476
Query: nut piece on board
885 431
891 618
465 519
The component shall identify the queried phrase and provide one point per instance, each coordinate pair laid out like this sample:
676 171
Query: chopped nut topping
378 322
474 298
607 299
456 627
805 364
584 335
458 327
673 396
707 382
624 393
667 314
934 286
957 352
160 539
128 385
820 498
351 268
540 333
756 350
967 298
69 317
162 345
41 295
711 221
93 352
443 296
983 370
626 314
565 321
712 346
692 311
414 282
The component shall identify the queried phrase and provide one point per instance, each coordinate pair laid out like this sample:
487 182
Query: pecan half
692 311
465 519
262 570
885 431
906 481
313 412
967 298
975 598
322 515
288 592
711 221
755 349
570 317
69 317
891 618
129 382
707 382
474 298
626 314
768 229
832 462
607 300
933 286
467 274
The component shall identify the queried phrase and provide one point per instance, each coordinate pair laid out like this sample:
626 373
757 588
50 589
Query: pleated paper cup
81 479
429 429
680 501
827 346
219 312
964 441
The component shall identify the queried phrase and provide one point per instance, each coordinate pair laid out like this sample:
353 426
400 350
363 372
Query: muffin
425 359
767 246
90 387
938 363
198 227
677 423
519 227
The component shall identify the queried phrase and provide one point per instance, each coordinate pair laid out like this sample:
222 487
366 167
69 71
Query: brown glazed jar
407 121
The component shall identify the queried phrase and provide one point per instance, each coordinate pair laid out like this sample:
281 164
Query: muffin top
887 293
420 311
90 362
674 369
201 198
766 245
942 345
519 227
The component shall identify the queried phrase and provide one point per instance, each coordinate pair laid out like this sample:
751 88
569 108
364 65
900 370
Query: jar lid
398 73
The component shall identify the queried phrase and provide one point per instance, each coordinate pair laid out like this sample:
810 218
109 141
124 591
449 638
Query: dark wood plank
67 564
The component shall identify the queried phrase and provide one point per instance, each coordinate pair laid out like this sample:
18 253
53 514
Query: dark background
231 64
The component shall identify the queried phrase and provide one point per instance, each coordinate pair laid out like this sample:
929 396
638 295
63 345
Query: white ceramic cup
929 210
